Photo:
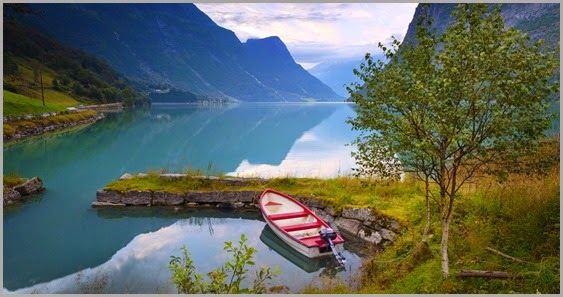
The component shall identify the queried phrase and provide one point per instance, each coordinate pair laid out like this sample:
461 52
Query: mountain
538 20
338 74
36 66
178 46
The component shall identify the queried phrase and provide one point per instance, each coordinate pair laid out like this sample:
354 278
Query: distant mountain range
176 46
337 74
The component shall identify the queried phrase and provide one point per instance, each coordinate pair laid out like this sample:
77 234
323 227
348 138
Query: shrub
187 281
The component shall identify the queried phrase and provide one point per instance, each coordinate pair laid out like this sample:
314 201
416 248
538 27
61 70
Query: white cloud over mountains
316 32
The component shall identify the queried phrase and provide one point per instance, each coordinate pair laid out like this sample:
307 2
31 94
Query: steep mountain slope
179 46
538 20
38 66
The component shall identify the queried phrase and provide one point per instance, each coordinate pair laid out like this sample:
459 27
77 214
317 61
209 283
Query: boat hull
296 225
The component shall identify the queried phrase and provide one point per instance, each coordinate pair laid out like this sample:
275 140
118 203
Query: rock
220 197
173 176
227 205
108 196
360 214
370 236
191 204
313 202
126 176
387 234
348 225
248 196
10 196
323 215
107 204
395 226
330 211
29 187
203 197
166 198
137 198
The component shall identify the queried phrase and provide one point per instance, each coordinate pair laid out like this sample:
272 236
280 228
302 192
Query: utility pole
41 81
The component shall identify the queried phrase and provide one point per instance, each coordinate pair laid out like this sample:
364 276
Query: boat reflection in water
270 239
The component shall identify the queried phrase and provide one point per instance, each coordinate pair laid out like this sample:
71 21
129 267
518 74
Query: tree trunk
427 226
444 247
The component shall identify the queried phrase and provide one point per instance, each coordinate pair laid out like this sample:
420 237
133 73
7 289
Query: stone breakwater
41 129
18 193
362 223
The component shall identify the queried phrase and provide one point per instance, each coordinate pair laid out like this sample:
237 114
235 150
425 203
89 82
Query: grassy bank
392 199
11 180
11 128
519 217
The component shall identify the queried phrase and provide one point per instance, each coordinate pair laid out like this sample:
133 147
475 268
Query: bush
187 281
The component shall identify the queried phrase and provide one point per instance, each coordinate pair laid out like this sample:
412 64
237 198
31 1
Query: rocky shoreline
42 129
363 223
21 192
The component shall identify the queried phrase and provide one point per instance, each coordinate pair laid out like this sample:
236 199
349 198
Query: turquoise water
57 243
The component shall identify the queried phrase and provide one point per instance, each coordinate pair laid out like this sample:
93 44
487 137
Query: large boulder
31 186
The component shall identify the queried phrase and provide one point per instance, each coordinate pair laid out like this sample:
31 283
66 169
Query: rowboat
271 240
299 227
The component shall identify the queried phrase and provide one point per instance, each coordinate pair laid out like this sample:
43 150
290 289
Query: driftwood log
494 274
506 256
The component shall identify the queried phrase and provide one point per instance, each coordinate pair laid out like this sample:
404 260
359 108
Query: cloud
316 32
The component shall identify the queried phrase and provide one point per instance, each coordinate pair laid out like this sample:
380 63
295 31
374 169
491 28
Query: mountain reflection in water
57 233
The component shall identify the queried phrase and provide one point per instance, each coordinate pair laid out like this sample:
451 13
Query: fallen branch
506 256
494 274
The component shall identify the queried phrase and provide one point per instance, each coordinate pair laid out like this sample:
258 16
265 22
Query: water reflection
319 152
269 238
60 223
141 266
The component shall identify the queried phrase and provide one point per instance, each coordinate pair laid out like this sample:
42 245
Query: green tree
224 280
449 106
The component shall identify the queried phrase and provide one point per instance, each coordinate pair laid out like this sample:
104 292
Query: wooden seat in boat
289 215
301 226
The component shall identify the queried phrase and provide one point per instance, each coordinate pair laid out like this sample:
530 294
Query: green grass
519 217
390 199
18 105
12 180
12 127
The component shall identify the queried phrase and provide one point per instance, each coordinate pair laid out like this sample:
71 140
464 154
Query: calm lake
57 243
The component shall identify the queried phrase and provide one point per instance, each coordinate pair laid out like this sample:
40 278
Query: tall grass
519 217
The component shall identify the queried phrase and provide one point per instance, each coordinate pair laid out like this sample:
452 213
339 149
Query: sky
316 32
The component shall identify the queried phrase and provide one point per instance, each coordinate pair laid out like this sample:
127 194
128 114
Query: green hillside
18 105
38 67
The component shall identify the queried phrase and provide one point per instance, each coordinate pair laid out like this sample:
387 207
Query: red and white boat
299 227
